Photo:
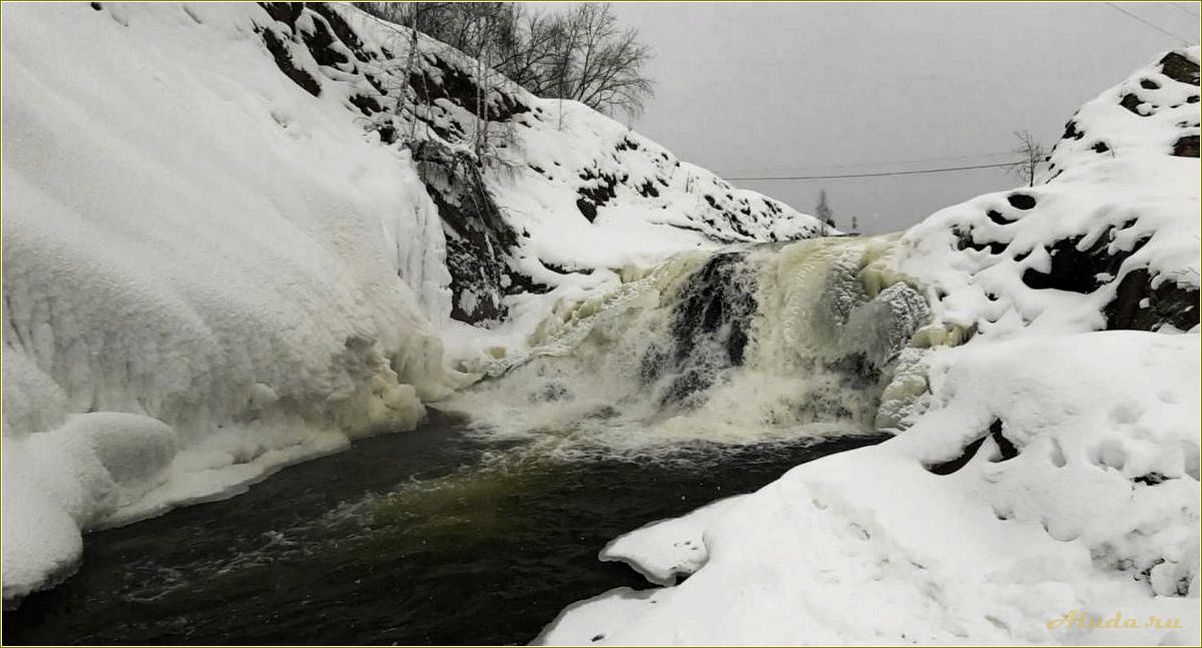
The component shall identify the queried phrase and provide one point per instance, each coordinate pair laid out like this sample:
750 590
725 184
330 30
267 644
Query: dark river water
436 536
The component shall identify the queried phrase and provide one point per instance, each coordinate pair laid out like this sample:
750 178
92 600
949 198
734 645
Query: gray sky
755 89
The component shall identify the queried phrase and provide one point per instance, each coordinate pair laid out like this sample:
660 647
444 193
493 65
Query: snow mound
1109 242
1051 475
207 274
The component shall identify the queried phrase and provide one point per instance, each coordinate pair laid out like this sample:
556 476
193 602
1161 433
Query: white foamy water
742 346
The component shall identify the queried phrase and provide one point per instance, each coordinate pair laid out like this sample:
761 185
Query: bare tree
605 61
582 53
1031 156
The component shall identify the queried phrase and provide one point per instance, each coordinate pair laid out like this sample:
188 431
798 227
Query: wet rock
1139 306
710 327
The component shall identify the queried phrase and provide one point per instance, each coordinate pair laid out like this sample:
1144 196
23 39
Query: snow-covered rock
1110 241
532 191
208 274
1078 491
1043 486
220 258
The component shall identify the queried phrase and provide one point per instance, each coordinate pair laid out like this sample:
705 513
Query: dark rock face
1186 146
284 60
462 127
711 325
1139 306
1144 97
998 218
1136 304
1132 103
598 191
479 240
1179 68
285 12
439 80
341 29
1081 271
320 41
366 104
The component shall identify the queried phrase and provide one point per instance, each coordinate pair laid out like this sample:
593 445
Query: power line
1178 7
1150 24
881 174
880 163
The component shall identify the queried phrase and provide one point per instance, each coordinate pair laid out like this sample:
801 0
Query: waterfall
744 345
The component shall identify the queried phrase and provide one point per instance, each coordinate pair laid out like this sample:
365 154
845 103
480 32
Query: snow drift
222 255
1045 470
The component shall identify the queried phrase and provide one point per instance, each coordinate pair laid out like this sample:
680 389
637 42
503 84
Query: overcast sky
766 89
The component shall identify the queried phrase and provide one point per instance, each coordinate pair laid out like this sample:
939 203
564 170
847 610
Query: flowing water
436 536
707 376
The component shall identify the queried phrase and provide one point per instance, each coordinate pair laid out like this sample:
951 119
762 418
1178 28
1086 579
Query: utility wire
1150 24
882 173
1178 7
979 157
952 158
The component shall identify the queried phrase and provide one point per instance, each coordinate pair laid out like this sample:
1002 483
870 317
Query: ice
208 274
740 346
212 272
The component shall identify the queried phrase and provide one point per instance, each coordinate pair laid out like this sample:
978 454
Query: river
442 535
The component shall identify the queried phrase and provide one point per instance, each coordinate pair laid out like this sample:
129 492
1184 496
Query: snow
201 273
1134 194
546 162
212 272
1045 470
544 154
869 546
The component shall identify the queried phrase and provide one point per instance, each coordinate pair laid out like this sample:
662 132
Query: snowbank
1045 474
1084 498
207 273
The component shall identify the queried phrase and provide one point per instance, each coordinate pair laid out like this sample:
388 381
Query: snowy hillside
563 189
1045 473
220 259
1109 241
